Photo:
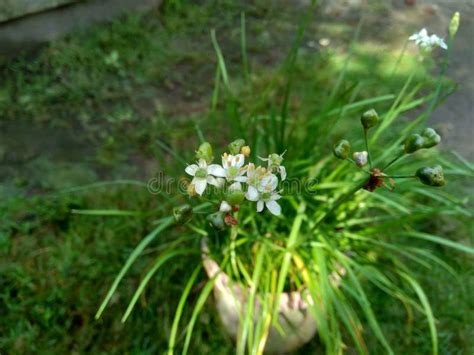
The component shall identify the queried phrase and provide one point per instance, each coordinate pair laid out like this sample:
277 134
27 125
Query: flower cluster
427 42
431 176
236 180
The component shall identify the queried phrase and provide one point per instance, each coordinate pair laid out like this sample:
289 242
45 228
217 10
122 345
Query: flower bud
369 118
205 152
454 24
245 150
225 207
275 160
360 158
191 190
342 149
431 176
430 137
413 143
236 146
235 195
183 214
216 220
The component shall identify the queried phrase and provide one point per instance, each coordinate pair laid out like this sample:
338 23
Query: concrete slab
31 31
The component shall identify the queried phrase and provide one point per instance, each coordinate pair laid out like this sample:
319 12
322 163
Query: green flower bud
369 119
454 24
413 143
235 197
275 159
216 220
431 176
342 149
183 214
236 146
205 152
430 137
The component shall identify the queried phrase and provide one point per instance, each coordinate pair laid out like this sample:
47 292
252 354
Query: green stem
367 147
441 76
233 258
340 200
399 59
358 167
393 161
400 176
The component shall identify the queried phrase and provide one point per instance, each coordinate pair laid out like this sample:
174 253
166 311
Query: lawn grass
120 88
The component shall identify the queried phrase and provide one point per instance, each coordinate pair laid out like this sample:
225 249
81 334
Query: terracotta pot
294 316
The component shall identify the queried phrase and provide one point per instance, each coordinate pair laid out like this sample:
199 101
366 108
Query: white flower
265 195
274 164
204 174
234 167
424 41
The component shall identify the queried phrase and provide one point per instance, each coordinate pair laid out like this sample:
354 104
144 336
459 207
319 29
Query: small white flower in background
360 158
425 41
204 174
274 164
265 194
234 167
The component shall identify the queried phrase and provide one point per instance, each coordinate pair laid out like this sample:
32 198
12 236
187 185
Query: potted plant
291 239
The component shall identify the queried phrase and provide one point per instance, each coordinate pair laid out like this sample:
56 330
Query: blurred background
88 87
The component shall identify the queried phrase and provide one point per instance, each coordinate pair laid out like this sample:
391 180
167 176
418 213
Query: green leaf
442 241
179 309
428 312
136 252
158 263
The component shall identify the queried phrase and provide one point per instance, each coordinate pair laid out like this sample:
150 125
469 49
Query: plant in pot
291 239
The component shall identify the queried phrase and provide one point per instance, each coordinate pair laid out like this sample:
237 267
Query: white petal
225 207
202 163
219 183
239 160
240 178
269 183
200 185
211 180
225 162
216 170
274 197
235 187
252 194
423 32
191 169
264 159
273 207
282 172
259 206
443 45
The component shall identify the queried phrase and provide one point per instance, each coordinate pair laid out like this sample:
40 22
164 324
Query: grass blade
179 309
162 259
136 252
